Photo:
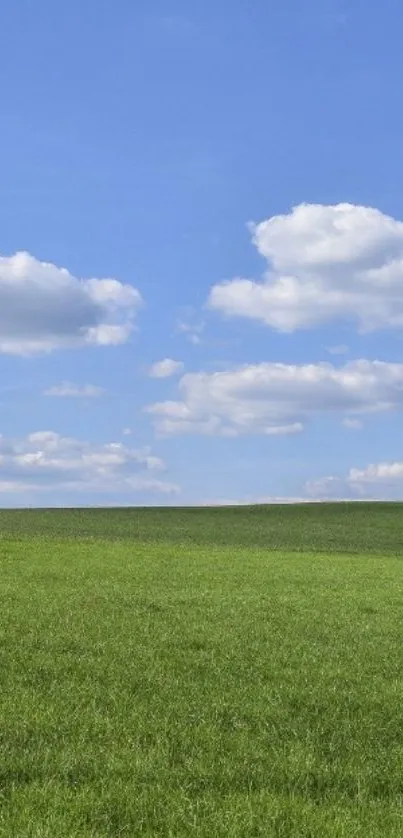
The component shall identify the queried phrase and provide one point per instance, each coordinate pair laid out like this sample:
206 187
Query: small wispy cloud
268 500
352 424
339 349
165 368
191 327
66 390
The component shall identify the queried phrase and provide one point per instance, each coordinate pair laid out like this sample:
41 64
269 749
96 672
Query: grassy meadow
216 673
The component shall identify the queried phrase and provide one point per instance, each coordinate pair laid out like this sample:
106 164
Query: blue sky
233 171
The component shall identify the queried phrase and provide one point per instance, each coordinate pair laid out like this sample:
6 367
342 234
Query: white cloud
327 488
268 500
376 481
165 368
43 307
378 473
339 349
66 389
46 461
192 328
352 424
324 263
284 430
273 398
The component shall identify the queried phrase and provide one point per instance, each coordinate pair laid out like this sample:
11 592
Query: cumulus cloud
165 368
381 481
66 389
274 398
324 263
45 461
43 308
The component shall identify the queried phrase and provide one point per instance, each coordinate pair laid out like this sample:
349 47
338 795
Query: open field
333 528
226 672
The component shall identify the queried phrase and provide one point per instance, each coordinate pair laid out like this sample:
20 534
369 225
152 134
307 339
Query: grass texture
210 673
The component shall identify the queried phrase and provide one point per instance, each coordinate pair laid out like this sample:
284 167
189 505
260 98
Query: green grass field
216 672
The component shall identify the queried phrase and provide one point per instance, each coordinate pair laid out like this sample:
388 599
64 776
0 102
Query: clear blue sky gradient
137 141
